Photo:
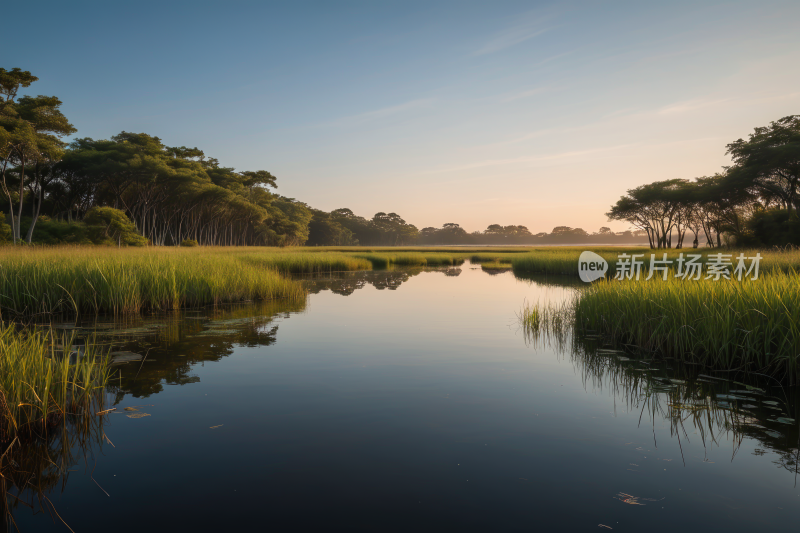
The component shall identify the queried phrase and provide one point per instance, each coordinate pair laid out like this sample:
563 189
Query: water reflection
422 404
718 408
33 468
172 345
346 283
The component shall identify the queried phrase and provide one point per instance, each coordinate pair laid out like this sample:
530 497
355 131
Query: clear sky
507 112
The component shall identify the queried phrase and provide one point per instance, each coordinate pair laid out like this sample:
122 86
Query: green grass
387 260
496 266
751 326
38 384
125 281
564 260
306 262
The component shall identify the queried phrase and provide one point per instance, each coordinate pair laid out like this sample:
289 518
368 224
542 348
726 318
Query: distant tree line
342 227
753 202
133 189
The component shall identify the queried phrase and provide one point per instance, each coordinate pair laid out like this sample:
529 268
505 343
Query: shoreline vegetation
46 379
748 326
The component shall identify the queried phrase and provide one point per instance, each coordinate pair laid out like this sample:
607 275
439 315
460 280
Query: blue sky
533 113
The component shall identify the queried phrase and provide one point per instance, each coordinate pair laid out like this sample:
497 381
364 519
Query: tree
768 163
654 208
395 230
325 230
31 129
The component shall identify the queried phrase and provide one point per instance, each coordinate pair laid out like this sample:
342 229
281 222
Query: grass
306 262
126 281
564 260
495 267
752 326
39 385
410 258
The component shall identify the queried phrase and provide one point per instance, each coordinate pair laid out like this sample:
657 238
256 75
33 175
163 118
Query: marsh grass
564 261
752 326
494 257
123 281
35 466
496 266
306 262
550 324
382 260
43 379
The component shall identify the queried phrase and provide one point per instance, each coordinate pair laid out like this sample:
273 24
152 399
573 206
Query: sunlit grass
564 261
95 280
748 325
306 262
41 381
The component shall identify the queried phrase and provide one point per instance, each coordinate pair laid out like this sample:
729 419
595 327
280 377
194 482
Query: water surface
410 400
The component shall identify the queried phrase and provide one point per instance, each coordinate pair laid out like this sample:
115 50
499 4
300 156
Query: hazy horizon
529 113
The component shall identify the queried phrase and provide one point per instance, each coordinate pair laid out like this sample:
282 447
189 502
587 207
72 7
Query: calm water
409 400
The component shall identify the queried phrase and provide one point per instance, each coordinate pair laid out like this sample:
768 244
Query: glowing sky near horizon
532 113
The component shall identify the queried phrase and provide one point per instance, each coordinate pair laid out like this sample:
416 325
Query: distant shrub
188 243
773 227
107 225
5 233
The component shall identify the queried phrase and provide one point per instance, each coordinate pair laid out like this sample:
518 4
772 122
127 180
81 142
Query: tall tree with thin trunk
31 129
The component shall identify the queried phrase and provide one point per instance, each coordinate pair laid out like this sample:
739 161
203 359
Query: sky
530 113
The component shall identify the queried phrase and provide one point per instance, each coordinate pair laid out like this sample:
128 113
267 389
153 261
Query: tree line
133 189
752 202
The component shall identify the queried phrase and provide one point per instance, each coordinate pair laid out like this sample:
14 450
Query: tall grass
565 260
306 262
752 326
41 381
386 260
131 280
558 260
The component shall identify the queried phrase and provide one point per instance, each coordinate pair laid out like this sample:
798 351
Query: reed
564 261
496 266
125 281
751 325
306 262
43 380
387 260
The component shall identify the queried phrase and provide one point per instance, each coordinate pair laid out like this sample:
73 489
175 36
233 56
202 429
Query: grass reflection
715 406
